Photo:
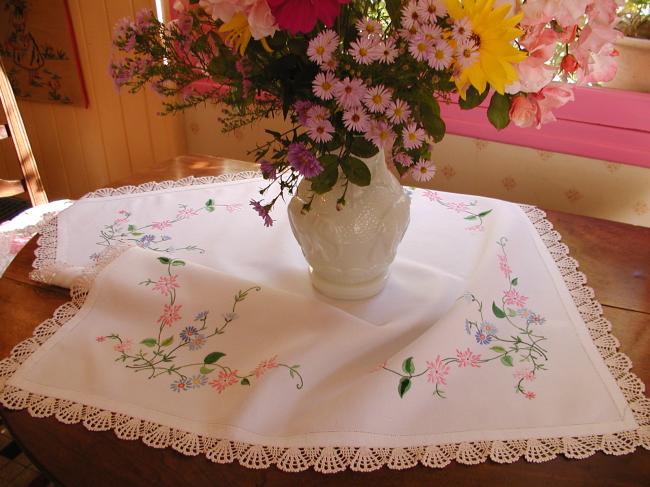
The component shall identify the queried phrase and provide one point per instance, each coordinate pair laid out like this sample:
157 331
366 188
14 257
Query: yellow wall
549 180
80 149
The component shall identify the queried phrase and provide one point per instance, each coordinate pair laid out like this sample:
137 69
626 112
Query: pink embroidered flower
513 298
524 374
233 208
503 265
476 228
301 16
186 212
380 366
161 225
457 207
224 380
467 358
170 314
124 346
529 395
265 365
101 339
438 371
432 196
165 284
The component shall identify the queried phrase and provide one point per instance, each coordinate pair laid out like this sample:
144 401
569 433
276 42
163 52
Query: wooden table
615 257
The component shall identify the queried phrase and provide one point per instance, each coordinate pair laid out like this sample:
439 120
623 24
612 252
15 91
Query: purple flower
262 211
180 385
197 341
483 338
268 169
535 319
301 107
188 333
303 161
201 316
146 241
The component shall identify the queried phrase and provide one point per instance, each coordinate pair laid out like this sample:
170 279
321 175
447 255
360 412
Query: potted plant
634 48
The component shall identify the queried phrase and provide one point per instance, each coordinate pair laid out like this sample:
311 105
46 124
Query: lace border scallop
45 264
337 459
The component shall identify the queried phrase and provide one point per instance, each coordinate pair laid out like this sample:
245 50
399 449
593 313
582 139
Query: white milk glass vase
350 250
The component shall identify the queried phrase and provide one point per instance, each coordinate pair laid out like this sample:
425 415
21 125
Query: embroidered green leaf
204 370
471 217
515 281
404 386
498 349
245 382
506 360
177 262
484 213
211 358
136 234
164 260
512 313
498 312
408 366
131 228
149 342
167 341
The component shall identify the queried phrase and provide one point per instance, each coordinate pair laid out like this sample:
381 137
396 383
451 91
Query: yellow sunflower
493 34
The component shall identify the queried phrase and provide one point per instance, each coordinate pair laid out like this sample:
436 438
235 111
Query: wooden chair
31 181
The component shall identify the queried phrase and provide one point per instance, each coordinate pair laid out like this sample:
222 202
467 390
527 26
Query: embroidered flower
458 207
233 208
170 314
535 319
166 284
197 342
197 381
224 380
123 346
432 196
265 365
482 338
201 316
145 241
161 225
438 371
524 312
524 374
504 267
529 395
230 316
186 212
188 333
467 358
513 298
180 385
489 328
379 366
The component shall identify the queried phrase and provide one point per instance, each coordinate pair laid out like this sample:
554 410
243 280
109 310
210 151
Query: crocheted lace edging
362 459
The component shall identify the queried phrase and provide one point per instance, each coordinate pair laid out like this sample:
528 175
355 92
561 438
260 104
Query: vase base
335 290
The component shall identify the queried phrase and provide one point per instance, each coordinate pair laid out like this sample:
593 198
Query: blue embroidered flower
197 342
197 381
523 312
482 338
188 333
488 328
164 238
535 319
180 385
201 316
145 241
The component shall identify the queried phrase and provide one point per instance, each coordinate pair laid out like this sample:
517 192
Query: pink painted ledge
601 123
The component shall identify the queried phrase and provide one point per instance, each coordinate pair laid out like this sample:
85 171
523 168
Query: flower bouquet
356 77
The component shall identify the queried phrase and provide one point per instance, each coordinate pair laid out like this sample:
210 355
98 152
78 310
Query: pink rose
261 20
524 111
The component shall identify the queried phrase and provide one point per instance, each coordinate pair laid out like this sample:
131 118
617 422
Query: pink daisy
441 56
529 395
317 112
403 159
322 46
161 225
349 92
513 298
424 170
398 111
100 339
166 284
265 365
380 133
356 119
387 51
466 54
420 47
170 314
432 33
524 374
428 10
320 130
186 212
124 346
364 50
369 27
410 16
224 380
323 85
377 99
413 136
461 30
